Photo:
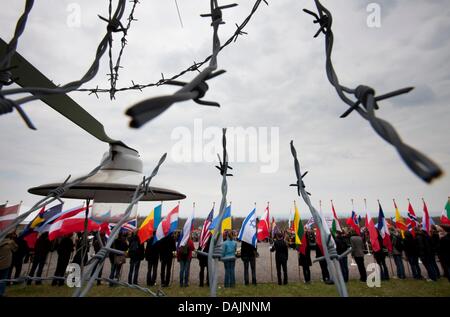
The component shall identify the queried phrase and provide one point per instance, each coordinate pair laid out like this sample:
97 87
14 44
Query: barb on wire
329 250
7 105
195 67
196 89
53 195
90 275
114 70
365 96
215 246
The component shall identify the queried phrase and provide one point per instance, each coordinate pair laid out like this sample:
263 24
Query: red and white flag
69 225
8 214
263 231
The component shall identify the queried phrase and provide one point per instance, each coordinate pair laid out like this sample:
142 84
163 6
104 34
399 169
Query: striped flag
335 225
206 233
426 224
445 216
187 229
8 214
264 225
399 221
248 229
412 220
383 228
167 225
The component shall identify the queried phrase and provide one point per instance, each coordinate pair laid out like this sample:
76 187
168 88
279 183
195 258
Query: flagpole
353 206
367 243
85 234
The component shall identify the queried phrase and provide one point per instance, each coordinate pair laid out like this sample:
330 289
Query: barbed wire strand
53 195
193 68
329 250
148 109
97 261
114 25
114 70
419 164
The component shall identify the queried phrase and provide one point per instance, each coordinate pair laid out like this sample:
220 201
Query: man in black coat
203 262
166 248
380 258
304 257
18 256
248 256
152 257
341 247
41 250
64 250
412 254
99 241
136 255
280 247
444 248
426 253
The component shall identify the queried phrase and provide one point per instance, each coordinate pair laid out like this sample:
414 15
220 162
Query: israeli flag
248 229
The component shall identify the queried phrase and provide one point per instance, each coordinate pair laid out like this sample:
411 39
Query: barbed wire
329 250
215 246
97 261
7 105
419 164
53 195
114 70
150 108
195 67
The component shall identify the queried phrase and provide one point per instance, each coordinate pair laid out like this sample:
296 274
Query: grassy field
391 288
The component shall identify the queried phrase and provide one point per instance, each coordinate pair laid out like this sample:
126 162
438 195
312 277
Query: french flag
168 225
383 228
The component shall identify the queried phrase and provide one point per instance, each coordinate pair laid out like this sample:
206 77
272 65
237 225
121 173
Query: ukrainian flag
226 221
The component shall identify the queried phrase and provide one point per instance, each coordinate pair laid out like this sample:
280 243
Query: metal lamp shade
112 187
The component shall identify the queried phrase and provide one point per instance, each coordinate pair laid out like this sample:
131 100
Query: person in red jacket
184 256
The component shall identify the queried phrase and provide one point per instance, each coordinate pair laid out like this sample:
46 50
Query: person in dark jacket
136 254
81 250
41 250
118 260
248 257
434 236
184 257
341 247
444 248
18 256
412 254
203 262
280 247
397 251
166 248
380 257
357 244
64 250
323 264
304 257
152 257
426 253
99 241
7 248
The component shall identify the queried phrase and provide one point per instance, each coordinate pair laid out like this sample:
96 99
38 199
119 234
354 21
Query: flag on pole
69 225
167 225
412 220
445 216
226 221
8 214
273 228
335 225
299 230
148 226
187 229
399 221
383 228
426 223
373 234
354 223
263 226
205 234
248 229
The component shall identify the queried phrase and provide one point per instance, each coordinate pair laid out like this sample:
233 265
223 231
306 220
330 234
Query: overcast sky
275 79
